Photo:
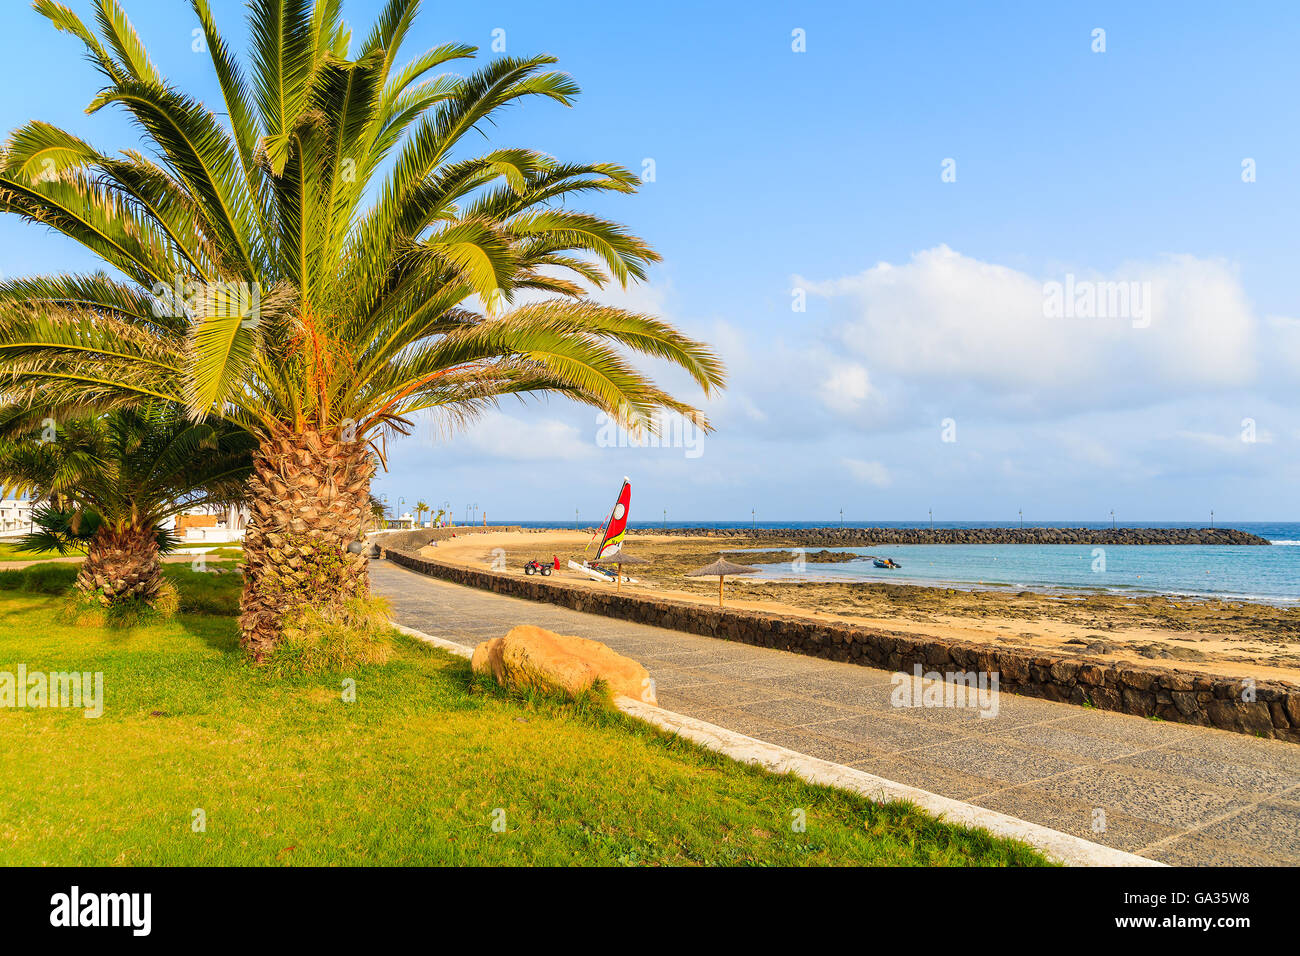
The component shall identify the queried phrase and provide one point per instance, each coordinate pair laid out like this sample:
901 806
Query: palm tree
323 269
420 508
111 482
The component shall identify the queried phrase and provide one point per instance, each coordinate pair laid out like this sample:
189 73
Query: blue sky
779 172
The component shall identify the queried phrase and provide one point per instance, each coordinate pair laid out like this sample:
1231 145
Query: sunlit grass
415 771
9 551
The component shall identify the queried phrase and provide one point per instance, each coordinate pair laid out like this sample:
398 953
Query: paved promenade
1171 792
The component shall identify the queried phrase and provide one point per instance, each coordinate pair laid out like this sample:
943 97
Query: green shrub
318 641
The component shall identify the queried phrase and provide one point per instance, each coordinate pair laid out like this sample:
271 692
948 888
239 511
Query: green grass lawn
214 552
9 552
415 771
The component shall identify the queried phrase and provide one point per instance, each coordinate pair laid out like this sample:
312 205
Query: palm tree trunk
309 497
121 565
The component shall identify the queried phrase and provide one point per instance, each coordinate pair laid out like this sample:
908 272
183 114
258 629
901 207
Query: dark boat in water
885 563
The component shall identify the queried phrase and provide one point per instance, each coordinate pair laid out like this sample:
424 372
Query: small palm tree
325 266
111 482
420 508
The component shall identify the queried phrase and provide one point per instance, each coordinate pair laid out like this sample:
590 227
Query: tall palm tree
329 263
420 508
112 481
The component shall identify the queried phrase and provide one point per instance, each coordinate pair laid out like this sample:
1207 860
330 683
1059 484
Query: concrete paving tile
682 655
1271 827
1056 736
883 733
714 714
741 669
1003 762
1278 755
1136 730
814 745
1080 818
962 720
724 694
847 692
683 677
1143 794
914 772
1198 849
749 724
1240 778
794 711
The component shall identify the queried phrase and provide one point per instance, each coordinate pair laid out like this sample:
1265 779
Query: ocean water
1268 575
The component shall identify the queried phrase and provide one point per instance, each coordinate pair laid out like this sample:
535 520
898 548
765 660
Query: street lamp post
753 513
931 519
665 519
1211 517
841 519
575 519
1112 519
1021 512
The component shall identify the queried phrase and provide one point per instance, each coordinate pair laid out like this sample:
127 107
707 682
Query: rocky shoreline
864 537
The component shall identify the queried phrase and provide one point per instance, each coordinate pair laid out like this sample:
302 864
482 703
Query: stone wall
864 537
420 537
1174 695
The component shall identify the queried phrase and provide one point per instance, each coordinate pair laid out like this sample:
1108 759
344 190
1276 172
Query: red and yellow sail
616 527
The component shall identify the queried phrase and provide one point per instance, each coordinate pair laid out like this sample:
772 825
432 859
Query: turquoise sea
1269 575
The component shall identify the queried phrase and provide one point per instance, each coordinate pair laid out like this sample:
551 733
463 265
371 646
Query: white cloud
867 472
846 388
497 435
948 327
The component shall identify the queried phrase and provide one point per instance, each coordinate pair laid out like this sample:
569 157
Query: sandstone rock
534 658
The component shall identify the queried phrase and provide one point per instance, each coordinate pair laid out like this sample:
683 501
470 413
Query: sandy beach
1211 637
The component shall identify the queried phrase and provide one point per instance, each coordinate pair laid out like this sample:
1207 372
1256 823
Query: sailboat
611 539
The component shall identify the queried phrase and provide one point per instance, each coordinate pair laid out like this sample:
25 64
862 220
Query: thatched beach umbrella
721 567
621 559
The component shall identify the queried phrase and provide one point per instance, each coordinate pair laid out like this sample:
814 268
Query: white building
15 516
210 524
